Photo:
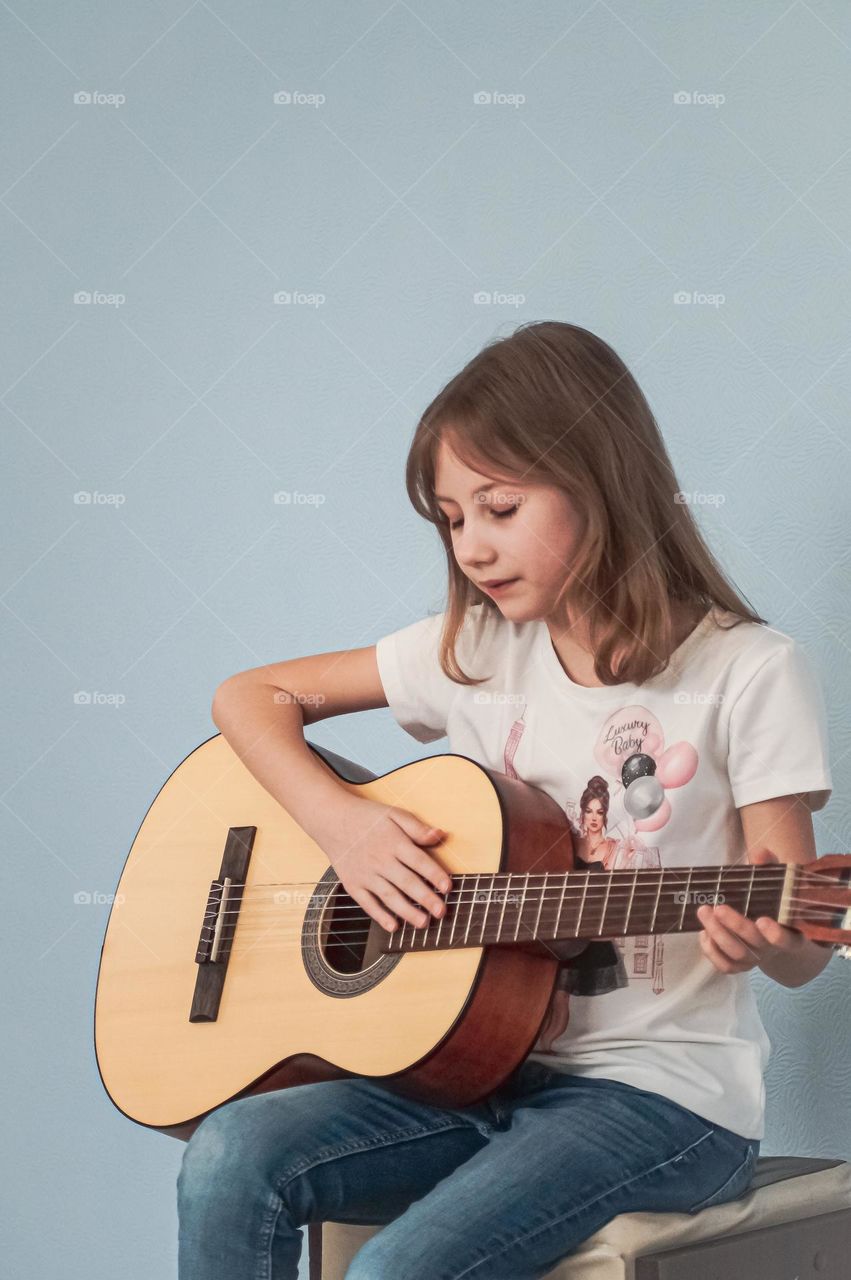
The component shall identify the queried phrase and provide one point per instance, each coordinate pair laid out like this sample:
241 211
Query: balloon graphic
658 819
635 766
625 733
677 766
643 797
653 744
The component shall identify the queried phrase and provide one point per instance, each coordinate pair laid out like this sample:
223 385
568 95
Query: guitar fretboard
526 907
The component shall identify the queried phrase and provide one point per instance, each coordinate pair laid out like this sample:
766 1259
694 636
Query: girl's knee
217 1144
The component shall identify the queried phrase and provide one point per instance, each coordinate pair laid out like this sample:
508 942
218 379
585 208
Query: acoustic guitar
234 961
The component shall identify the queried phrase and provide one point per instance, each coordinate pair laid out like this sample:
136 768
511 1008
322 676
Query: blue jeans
501 1190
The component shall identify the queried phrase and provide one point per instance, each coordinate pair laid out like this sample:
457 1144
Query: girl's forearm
265 728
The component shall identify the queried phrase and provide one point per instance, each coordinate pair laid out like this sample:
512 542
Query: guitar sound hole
349 940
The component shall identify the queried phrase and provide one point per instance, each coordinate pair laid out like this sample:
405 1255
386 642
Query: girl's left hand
735 943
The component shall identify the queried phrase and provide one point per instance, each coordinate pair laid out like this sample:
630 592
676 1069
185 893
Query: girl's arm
775 830
262 713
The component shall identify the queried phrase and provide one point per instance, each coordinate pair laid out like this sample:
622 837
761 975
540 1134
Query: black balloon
639 765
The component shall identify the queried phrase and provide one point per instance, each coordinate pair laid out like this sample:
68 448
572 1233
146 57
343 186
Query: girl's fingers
719 958
729 943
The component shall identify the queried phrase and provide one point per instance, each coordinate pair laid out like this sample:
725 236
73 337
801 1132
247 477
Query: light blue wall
397 198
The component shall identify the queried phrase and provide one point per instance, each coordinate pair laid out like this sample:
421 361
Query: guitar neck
523 907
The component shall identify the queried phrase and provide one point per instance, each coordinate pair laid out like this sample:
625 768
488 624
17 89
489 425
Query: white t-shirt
737 717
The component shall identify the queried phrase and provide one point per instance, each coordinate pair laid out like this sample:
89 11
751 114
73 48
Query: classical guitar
234 961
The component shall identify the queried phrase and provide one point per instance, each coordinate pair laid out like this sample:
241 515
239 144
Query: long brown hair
554 404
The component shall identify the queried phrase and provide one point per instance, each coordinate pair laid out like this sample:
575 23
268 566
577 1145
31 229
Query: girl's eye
499 515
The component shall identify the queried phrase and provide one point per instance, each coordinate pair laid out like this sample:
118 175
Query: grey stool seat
794 1220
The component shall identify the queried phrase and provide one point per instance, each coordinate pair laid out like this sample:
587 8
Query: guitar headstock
820 905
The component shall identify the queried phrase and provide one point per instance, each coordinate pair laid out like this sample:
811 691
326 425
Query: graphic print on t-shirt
623 802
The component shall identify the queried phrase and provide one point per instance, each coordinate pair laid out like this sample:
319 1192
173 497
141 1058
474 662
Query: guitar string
268 939
250 926
542 893
362 928
764 876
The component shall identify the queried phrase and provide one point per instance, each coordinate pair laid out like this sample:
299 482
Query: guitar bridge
220 917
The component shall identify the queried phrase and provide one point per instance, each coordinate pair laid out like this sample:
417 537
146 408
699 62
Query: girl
580 588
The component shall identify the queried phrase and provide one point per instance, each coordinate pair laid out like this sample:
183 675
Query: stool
793 1221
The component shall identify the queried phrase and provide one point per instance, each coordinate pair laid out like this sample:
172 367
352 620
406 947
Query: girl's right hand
376 850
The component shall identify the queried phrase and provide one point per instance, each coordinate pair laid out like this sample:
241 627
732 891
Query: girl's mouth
496 587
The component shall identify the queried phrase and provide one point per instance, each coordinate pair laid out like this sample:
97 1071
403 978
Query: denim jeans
501 1190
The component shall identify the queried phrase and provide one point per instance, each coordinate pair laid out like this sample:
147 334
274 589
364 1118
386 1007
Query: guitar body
298 1002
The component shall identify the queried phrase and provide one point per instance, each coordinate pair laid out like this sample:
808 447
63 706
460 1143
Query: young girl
591 646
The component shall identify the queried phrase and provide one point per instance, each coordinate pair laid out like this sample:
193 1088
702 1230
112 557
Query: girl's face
503 529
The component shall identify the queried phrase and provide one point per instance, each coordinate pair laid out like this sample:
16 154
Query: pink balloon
653 744
657 819
677 766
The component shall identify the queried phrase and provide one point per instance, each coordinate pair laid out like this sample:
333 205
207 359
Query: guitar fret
718 893
488 905
557 926
543 899
629 904
506 891
470 906
579 932
656 903
686 896
522 907
750 891
605 905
